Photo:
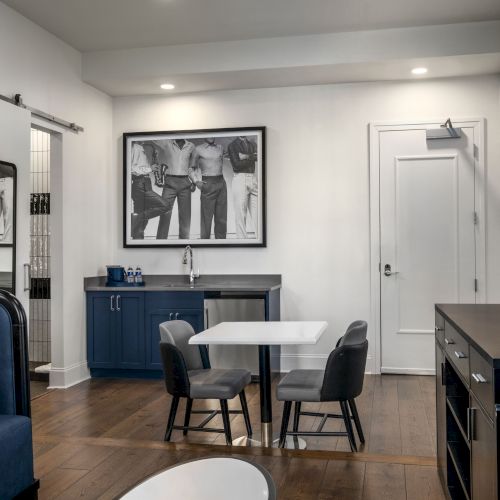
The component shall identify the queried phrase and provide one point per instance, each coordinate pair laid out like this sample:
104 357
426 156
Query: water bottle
130 275
138 275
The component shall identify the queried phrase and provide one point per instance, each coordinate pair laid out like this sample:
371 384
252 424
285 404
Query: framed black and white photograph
194 187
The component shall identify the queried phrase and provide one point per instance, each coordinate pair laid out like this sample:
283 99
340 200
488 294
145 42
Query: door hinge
476 219
475 284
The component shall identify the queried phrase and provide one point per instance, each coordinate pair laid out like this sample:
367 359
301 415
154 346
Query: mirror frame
14 225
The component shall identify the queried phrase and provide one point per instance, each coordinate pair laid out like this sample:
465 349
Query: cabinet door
154 318
483 452
441 413
101 329
130 338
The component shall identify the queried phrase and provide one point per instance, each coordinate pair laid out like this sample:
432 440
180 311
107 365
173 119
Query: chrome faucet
192 274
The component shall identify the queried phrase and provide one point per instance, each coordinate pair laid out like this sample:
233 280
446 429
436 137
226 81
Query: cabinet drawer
481 382
457 349
439 328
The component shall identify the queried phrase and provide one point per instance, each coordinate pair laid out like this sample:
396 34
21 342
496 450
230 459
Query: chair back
344 373
14 364
178 333
355 333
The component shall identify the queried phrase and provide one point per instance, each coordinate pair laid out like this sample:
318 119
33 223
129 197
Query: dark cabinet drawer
482 382
439 328
457 349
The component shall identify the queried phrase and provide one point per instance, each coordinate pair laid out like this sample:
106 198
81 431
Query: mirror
7 226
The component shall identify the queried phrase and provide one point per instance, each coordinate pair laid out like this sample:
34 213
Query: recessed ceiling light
419 71
167 86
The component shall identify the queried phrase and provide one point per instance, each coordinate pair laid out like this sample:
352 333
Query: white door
15 146
427 238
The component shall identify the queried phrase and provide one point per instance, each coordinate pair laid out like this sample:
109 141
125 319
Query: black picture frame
11 244
241 230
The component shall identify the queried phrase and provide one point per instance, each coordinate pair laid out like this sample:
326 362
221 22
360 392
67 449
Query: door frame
375 128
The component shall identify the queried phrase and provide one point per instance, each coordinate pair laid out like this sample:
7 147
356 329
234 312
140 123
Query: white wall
47 73
317 185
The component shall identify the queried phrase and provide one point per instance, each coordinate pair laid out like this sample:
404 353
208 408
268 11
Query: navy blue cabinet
115 330
167 306
123 327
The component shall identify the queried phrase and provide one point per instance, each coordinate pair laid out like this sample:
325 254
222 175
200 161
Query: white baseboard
409 371
62 378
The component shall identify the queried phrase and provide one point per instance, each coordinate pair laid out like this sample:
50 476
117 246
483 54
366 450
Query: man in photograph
178 186
243 156
207 160
147 203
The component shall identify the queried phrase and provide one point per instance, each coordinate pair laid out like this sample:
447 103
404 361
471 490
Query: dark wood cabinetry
467 367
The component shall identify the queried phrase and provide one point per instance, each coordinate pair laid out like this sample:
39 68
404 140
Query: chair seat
301 385
217 383
16 455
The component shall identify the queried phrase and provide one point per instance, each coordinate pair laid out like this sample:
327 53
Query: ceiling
94 25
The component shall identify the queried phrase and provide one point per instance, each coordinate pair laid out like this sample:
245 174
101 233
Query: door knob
388 271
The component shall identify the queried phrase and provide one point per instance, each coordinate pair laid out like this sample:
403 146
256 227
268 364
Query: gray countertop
205 283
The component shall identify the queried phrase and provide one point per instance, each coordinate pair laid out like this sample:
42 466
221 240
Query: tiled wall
39 314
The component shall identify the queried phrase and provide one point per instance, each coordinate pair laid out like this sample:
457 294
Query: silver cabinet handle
27 277
448 341
171 315
111 303
460 354
176 315
479 378
118 298
438 329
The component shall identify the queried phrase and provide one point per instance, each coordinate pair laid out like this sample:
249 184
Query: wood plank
303 479
413 419
342 480
385 433
57 481
422 483
257 451
384 481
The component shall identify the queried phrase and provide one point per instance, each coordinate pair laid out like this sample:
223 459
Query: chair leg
296 416
171 417
287 408
246 416
187 415
348 425
225 418
357 421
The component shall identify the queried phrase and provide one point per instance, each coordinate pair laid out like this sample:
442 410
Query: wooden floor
101 437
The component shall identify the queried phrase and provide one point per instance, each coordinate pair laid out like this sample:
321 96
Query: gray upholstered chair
341 381
188 375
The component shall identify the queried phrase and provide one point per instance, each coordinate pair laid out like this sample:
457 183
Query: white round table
218 478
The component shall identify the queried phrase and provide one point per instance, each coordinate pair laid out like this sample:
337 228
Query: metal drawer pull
176 315
460 354
111 303
438 329
479 378
448 341
171 315
118 297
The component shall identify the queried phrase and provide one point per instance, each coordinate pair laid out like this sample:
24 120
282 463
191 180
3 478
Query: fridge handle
27 277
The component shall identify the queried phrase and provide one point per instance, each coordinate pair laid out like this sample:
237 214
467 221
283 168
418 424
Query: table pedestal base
292 443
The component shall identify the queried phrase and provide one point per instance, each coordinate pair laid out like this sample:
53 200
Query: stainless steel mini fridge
233 308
